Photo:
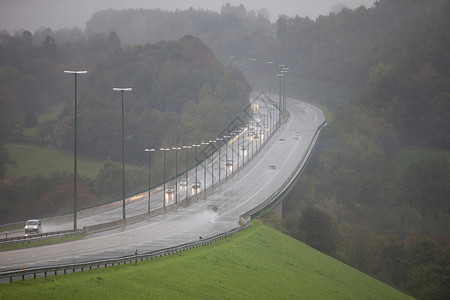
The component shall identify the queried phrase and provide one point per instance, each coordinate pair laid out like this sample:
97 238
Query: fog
56 14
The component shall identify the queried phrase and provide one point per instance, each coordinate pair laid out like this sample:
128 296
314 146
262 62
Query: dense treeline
397 51
232 31
181 95
353 201
388 222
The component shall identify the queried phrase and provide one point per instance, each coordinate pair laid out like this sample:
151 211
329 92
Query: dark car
212 207
196 185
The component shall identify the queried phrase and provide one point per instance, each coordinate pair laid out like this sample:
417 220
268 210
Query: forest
375 193
181 95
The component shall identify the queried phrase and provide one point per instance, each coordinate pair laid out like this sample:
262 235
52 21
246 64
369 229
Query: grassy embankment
258 263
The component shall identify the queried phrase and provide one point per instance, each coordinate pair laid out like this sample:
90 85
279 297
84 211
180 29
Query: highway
246 189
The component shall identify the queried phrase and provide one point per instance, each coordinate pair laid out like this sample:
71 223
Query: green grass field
257 263
38 160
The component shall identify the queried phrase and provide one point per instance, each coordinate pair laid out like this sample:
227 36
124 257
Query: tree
5 159
282 27
113 41
109 181
319 229
425 186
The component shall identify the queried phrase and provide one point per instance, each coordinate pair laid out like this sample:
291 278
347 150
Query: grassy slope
258 263
33 160
39 160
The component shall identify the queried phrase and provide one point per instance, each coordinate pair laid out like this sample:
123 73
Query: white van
33 227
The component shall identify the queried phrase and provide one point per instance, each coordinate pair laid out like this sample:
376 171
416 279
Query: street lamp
204 168
226 156
196 164
280 96
231 60
284 71
212 165
238 132
75 151
123 151
270 63
253 75
176 172
164 175
187 148
149 185
219 140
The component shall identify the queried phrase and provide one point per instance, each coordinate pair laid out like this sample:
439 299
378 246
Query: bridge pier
278 210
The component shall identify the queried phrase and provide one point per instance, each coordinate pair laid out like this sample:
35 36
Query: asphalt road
245 190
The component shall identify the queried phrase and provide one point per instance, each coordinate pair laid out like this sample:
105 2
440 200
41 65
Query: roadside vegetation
375 193
257 263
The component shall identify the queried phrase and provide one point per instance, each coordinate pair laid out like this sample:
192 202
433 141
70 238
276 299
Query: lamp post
187 148
219 140
248 144
123 151
239 148
270 63
149 176
284 71
253 140
196 164
253 75
164 175
75 150
226 155
176 172
204 168
243 146
280 96
212 165
231 60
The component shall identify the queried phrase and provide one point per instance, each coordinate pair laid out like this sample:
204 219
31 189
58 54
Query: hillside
257 263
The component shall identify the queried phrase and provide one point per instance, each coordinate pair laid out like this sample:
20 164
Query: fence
64 269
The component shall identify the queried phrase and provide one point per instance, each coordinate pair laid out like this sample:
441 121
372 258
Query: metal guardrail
12 225
281 192
53 270
243 219
38 237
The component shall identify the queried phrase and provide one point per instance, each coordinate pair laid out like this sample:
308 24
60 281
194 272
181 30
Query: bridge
255 173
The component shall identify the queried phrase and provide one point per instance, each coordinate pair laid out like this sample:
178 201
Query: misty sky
56 14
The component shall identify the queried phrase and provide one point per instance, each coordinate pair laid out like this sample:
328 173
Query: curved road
245 190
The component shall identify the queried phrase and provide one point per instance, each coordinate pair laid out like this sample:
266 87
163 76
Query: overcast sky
56 14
